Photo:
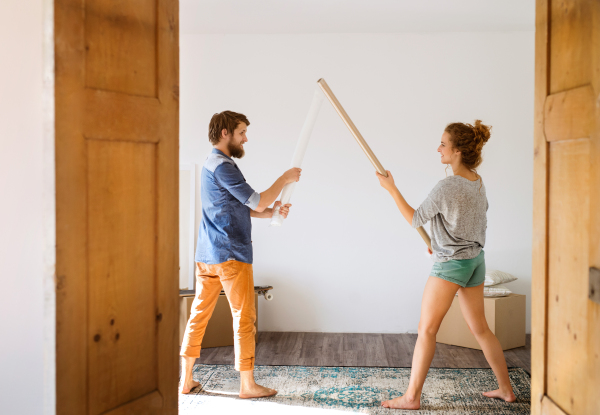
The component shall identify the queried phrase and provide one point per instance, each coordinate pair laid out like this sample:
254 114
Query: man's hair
226 120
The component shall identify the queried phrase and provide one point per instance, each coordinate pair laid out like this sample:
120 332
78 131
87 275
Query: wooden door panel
122 272
550 408
124 117
121 46
569 204
117 206
570 46
150 404
569 114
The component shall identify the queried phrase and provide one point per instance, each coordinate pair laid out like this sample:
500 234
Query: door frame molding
539 280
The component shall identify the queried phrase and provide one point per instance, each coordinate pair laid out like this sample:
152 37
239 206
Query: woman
457 209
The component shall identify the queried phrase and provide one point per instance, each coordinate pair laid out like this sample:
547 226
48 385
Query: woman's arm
388 184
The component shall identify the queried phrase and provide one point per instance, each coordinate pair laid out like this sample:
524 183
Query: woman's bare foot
402 402
507 396
256 391
188 385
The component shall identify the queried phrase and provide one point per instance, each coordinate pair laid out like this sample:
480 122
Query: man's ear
223 133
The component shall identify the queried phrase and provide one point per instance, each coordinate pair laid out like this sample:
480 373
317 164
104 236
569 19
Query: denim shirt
225 231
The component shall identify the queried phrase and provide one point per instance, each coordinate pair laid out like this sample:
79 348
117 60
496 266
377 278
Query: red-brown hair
469 140
226 120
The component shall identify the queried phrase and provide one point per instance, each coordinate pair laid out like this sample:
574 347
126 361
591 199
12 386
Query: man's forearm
407 211
269 196
267 213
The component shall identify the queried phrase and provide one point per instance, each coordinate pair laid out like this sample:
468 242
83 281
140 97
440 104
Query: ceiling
354 16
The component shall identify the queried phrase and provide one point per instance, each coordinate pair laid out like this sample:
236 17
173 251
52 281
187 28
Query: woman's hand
283 210
429 251
386 182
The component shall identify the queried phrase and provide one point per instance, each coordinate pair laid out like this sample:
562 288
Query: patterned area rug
337 390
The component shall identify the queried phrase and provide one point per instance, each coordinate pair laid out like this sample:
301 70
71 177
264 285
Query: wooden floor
353 349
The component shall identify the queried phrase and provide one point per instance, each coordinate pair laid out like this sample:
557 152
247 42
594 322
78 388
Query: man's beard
236 151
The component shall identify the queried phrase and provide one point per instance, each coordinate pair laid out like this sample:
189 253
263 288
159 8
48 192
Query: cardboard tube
361 142
359 138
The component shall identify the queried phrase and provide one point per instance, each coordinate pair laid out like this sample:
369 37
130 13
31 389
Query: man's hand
292 175
284 210
386 182
268 213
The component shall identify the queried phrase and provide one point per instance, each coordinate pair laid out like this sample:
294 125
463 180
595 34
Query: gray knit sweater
457 210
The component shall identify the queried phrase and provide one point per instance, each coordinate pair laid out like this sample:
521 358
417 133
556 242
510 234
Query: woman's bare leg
437 299
471 305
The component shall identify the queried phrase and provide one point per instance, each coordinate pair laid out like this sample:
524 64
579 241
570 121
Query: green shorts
464 272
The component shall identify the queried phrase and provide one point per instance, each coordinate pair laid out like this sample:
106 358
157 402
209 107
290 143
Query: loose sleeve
427 210
231 178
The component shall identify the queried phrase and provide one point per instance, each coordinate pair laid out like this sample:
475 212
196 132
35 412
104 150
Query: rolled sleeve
231 178
253 201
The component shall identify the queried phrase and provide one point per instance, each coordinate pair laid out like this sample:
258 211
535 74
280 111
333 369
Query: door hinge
594 292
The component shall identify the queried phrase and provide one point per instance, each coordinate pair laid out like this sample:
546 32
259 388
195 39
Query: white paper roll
301 146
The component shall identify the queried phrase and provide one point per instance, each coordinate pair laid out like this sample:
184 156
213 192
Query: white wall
345 260
27 208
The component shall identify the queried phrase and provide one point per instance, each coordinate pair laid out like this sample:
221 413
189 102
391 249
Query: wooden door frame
539 278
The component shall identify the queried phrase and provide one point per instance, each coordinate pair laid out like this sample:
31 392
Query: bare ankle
412 396
247 379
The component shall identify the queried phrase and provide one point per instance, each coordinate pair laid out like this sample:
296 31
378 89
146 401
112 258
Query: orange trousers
237 280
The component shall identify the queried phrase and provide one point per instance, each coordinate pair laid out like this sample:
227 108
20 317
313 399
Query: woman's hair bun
481 133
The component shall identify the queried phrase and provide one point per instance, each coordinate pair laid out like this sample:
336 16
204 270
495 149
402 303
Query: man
224 251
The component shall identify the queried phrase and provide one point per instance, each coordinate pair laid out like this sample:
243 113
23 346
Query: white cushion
496 291
494 277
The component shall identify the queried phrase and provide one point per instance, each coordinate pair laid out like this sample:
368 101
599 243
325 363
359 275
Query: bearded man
224 250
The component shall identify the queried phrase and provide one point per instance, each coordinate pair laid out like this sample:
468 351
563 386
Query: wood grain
570 41
568 273
121 46
540 208
593 309
121 227
550 408
357 349
570 114
566 339
117 128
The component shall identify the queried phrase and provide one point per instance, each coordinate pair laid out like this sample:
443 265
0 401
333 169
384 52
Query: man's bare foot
188 385
256 391
507 396
402 402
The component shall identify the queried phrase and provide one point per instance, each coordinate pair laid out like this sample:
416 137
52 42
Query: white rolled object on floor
307 128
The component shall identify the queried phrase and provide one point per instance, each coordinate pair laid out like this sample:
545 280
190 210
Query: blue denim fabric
225 231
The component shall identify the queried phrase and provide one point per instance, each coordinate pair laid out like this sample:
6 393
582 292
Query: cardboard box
219 331
505 317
